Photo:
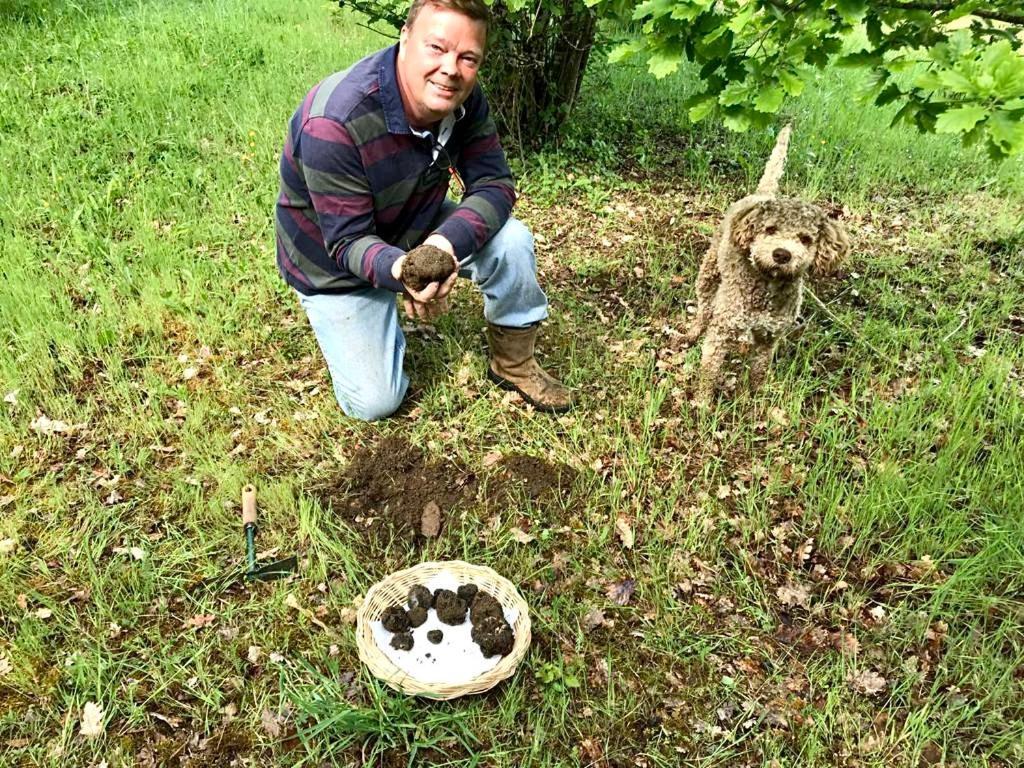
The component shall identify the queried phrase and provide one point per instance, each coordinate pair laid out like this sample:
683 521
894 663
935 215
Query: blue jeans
362 341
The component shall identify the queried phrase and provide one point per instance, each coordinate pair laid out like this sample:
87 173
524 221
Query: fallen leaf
7 546
12 397
877 613
276 657
173 722
621 592
347 615
591 751
868 682
724 492
624 531
270 724
5 664
522 536
92 720
849 644
189 373
779 416
594 619
430 520
200 620
5 500
491 459
47 426
43 613
254 654
793 594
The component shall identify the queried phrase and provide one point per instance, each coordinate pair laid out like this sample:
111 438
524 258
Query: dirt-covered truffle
435 636
395 619
467 592
417 616
483 606
426 264
451 609
493 635
402 641
420 597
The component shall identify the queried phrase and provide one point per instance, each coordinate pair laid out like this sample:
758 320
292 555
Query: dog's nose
781 256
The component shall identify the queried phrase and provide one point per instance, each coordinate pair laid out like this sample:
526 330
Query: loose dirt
536 478
387 485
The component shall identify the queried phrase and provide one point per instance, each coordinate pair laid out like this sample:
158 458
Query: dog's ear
833 245
747 220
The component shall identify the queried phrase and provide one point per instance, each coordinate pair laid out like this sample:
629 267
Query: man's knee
514 239
373 408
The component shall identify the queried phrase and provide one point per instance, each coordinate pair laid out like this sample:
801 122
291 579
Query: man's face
438 59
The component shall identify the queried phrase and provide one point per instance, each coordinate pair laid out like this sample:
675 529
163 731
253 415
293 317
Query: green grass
880 469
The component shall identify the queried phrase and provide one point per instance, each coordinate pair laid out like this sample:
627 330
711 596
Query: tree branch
1010 18
1015 19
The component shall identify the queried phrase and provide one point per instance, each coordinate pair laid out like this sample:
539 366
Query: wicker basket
394 589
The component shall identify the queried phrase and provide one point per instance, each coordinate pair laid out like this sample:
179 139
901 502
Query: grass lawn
828 573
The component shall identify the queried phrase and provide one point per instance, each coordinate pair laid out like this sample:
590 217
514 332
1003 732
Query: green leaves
753 54
959 120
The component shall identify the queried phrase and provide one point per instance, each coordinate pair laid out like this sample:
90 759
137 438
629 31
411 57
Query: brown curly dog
750 283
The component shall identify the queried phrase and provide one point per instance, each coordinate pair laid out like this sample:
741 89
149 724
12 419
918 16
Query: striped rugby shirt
359 188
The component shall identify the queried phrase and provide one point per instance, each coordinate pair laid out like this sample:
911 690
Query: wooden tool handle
248 505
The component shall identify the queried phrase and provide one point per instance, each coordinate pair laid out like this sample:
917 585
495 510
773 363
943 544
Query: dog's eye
806 239
771 229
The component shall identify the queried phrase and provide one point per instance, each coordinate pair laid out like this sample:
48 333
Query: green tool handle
249 524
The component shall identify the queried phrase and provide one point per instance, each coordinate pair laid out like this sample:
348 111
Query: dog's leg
708 279
760 360
714 352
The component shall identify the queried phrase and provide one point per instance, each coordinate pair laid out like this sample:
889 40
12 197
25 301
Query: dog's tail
769 184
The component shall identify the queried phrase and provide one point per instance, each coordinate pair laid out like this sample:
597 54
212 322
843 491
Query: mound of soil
532 476
386 486
426 264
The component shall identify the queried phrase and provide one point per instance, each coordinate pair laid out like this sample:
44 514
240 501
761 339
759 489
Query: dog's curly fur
750 284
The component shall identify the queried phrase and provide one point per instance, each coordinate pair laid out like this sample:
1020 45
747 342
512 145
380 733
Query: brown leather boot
513 366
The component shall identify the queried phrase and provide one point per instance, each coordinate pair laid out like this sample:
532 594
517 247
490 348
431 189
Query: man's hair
474 9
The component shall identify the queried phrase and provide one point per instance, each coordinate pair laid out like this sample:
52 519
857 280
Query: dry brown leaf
254 654
868 682
200 620
522 536
793 594
621 592
625 532
430 520
270 724
7 546
44 425
491 459
594 619
43 613
92 720
5 664
849 644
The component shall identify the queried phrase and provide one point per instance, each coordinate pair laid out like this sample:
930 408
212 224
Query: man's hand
431 302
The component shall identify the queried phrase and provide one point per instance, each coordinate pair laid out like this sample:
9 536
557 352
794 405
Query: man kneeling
365 169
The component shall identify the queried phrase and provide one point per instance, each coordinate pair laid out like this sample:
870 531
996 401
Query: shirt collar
391 99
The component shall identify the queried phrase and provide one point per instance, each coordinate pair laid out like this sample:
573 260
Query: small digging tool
276 569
